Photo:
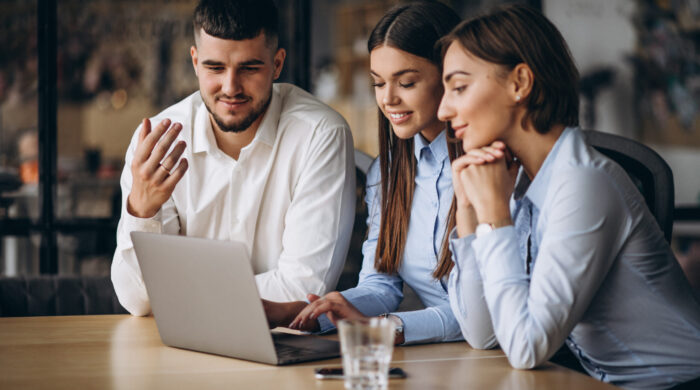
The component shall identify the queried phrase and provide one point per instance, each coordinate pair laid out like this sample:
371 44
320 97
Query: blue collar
438 147
536 190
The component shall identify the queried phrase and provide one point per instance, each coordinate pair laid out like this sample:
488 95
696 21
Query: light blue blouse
378 293
604 280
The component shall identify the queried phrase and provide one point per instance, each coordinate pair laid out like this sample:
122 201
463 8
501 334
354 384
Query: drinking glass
366 346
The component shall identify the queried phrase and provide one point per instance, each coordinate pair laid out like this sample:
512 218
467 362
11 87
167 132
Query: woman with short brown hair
552 234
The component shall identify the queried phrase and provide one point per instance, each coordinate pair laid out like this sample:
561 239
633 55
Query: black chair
648 171
49 295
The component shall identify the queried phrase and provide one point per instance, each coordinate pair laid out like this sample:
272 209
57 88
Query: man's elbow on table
136 302
134 305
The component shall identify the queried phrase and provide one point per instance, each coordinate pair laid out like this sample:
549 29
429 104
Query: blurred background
77 76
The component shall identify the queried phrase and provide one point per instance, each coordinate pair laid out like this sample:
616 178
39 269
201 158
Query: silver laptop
204 298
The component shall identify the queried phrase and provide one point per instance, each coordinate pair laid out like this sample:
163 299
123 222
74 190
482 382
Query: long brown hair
414 28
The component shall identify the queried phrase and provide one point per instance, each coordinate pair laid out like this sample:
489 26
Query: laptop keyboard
293 349
291 353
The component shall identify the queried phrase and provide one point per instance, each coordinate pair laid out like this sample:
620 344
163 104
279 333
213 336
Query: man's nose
231 85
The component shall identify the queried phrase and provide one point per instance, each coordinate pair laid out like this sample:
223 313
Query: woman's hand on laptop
334 305
282 313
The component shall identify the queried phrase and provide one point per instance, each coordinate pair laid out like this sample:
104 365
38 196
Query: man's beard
244 123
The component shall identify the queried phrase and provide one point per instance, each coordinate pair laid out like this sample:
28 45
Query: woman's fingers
496 152
464 161
486 154
305 315
312 297
333 304
499 145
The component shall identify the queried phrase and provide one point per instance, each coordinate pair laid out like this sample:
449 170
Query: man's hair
237 19
513 34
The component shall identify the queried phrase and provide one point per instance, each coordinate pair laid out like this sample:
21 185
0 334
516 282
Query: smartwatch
483 229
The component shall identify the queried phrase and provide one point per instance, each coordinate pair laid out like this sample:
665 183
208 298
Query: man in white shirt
242 159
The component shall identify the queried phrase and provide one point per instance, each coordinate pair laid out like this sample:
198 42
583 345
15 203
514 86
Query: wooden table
124 352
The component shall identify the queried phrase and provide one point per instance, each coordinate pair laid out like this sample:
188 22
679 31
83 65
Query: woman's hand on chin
487 175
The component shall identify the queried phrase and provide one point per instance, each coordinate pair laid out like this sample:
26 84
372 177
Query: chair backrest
646 168
48 295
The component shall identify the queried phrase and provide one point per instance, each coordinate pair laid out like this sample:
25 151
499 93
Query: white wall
600 33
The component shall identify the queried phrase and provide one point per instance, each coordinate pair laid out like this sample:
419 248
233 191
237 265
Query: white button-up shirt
289 197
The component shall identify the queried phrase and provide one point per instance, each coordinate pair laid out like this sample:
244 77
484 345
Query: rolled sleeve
430 325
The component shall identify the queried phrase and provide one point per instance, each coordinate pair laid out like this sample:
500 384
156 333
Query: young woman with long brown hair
409 188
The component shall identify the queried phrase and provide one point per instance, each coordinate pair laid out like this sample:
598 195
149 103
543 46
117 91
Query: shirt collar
203 139
438 147
267 131
536 190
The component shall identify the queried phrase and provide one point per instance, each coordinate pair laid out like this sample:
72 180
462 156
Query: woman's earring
517 98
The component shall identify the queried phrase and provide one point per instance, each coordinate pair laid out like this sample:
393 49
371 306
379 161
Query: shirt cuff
136 224
421 326
462 254
497 254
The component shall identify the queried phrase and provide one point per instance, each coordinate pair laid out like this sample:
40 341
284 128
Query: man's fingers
140 154
175 174
146 145
167 166
145 129
164 143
